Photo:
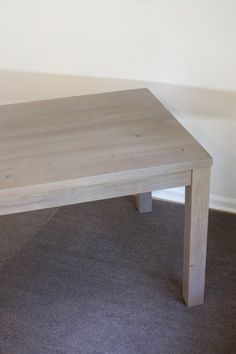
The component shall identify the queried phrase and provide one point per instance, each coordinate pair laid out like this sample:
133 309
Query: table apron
47 196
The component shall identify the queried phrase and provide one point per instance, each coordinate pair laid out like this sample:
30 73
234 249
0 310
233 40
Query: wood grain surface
90 140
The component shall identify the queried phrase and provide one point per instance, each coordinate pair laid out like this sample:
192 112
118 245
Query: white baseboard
177 195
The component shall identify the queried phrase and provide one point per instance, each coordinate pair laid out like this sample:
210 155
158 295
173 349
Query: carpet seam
23 244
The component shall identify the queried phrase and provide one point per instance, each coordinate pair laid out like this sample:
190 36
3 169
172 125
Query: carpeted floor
101 278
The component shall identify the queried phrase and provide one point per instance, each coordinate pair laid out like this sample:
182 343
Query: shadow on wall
28 86
210 115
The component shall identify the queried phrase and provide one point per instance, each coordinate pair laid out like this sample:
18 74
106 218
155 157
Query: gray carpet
101 278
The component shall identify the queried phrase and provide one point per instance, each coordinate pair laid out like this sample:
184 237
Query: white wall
183 50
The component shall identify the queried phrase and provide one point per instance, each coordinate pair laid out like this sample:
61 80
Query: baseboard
216 202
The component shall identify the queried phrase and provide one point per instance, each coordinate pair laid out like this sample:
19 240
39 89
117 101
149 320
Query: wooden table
80 149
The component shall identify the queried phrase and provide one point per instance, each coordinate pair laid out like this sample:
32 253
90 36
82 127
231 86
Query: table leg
195 236
144 202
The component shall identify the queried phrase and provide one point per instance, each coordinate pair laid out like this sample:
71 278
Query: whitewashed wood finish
195 239
144 202
84 190
78 149
80 137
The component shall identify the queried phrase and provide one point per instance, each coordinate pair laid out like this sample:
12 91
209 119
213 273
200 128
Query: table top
93 135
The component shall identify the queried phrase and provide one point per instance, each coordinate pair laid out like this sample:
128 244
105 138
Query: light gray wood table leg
195 238
144 202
